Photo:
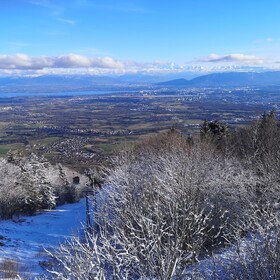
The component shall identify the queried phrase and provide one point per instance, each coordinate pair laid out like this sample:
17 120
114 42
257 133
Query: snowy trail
24 241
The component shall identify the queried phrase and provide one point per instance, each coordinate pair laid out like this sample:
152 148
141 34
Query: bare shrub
255 255
257 147
167 202
9 269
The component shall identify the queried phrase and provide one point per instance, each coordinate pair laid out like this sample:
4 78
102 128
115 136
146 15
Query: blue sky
106 36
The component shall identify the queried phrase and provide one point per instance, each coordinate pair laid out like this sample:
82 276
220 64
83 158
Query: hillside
229 79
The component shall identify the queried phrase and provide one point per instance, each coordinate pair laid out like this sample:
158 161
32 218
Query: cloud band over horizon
26 62
16 63
236 57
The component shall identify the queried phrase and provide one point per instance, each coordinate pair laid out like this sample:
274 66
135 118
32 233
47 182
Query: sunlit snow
24 241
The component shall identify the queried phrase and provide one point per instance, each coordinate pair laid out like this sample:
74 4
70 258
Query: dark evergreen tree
214 129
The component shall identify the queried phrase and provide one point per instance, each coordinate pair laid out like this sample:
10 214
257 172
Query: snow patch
25 241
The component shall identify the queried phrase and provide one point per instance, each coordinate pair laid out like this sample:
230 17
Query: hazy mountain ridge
230 79
88 80
75 80
271 78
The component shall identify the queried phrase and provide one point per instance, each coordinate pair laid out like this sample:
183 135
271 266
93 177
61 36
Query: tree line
32 183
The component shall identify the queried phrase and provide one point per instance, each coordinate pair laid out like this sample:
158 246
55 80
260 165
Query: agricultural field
84 129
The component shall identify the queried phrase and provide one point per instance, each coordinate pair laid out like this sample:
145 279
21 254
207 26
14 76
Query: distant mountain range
56 83
59 83
57 80
229 79
88 80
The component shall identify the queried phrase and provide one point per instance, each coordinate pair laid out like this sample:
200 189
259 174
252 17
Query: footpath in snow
25 241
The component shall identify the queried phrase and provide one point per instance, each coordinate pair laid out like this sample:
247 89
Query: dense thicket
171 203
30 184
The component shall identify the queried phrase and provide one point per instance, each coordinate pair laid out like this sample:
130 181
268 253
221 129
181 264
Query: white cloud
233 58
42 3
266 40
23 64
69 61
129 7
75 63
68 21
23 61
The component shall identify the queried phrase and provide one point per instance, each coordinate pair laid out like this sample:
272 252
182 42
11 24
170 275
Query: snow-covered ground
24 241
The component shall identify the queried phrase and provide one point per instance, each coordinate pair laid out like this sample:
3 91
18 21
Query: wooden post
92 188
87 193
87 211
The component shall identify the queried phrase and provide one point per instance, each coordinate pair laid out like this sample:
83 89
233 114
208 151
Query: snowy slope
24 241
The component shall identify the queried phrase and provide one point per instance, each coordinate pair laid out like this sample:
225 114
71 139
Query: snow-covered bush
29 184
255 255
257 147
252 253
166 203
